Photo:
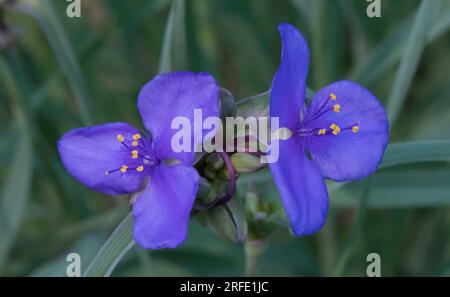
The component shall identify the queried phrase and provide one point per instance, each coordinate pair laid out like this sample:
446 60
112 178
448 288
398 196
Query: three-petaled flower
117 158
341 135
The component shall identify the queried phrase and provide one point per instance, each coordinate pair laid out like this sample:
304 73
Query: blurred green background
58 73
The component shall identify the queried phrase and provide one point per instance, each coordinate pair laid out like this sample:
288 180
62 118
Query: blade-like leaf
120 241
15 190
16 187
417 151
411 56
385 56
404 188
52 28
126 21
173 53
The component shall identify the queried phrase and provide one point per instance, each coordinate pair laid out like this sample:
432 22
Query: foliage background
58 73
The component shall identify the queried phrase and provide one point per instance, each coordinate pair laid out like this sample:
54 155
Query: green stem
254 248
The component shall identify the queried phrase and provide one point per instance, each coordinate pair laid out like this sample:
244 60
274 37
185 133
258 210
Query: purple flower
117 158
341 135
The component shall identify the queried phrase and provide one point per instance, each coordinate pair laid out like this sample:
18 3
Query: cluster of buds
219 204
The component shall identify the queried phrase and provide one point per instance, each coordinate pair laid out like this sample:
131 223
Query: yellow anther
140 168
355 129
120 137
134 154
336 108
322 132
135 143
332 96
336 129
124 168
136 136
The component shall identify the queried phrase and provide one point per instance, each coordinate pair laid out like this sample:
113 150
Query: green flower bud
207 192
223 174
203 187
229 221
227 104
214 162
246 163
209 173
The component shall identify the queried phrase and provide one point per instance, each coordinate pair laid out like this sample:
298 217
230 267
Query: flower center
329 106
139 155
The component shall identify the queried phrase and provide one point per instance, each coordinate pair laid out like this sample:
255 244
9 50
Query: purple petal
87 153
162 211
301 187
288 87
348 155
177 94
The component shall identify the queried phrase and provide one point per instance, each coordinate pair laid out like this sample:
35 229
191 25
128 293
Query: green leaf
411 56
173 53
120 241
126 21
406 188
52 28
383 58
416 151
86 247
410 153
15 190
16 187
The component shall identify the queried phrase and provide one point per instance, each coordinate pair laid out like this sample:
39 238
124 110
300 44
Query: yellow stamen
136 136
355 129
336 129
332 96
124 168
140 168
322 132
337 108
135 143
134 154
120 138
